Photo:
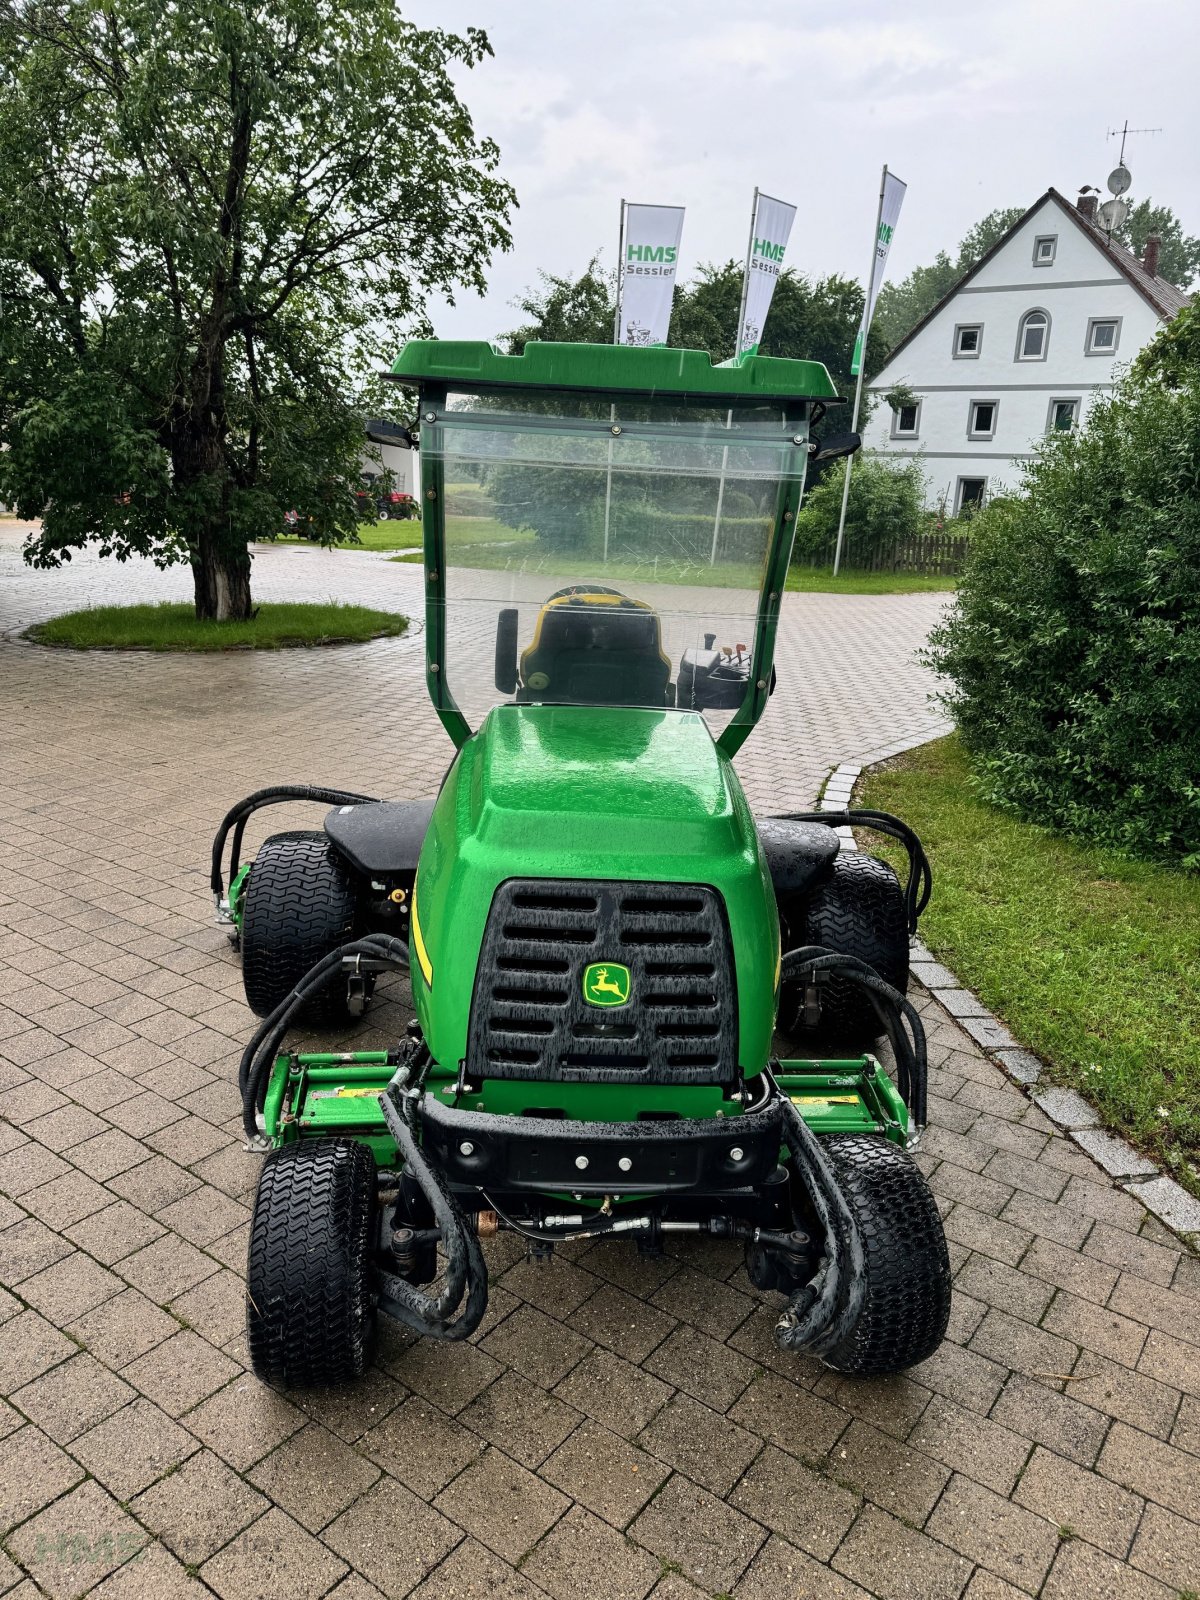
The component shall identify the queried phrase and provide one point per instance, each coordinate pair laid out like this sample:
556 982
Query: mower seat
383 838
594 646
798 854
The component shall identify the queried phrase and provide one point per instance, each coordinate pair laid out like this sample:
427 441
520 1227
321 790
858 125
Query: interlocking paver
33 1473
743 1467
199 1508
77 1541
898 1562
712 1542
503 1505
581 1555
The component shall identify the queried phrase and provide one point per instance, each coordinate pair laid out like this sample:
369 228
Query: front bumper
548 1155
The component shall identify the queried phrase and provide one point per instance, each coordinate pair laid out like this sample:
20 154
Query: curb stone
1162 1196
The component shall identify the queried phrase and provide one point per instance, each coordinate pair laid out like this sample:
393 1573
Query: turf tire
858 911
907 1304
301 903
310 1308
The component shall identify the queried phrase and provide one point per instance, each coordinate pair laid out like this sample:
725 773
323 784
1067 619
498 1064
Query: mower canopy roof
605 369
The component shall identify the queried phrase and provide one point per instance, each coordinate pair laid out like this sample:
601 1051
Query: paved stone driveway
619 1427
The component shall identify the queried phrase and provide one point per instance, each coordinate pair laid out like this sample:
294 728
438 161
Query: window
906 421
981 419
1103 336
968 341
1044 247
1064 414
970 494
1033 336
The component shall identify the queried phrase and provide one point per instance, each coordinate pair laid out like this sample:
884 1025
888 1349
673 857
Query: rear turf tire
301 903
858 911
310 1310
907 1304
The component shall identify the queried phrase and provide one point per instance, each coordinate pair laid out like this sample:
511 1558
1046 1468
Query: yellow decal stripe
422 954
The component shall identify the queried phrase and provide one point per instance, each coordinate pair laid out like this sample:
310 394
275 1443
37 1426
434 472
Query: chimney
1086 205
1150 259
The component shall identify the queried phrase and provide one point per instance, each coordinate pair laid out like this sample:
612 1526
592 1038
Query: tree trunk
221 576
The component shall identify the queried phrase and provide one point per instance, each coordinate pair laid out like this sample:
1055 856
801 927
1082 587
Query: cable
919 884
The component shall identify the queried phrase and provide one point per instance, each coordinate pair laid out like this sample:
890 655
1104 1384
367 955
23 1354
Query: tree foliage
1074 646
1172 358
215 218
561 308
886 505
1179 253
902 305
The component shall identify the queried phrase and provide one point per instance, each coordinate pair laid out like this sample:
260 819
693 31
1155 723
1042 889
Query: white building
1021 345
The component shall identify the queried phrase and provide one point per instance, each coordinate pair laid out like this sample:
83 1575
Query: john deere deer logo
606 983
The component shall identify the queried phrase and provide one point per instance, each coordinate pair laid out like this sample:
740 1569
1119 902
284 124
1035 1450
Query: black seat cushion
382 839
798 853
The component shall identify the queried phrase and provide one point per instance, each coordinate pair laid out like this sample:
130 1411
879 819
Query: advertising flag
891 199
770 229
650 238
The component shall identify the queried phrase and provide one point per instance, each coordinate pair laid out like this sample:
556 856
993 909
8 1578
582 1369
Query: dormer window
1044 248
1033 336
1103 336
968 341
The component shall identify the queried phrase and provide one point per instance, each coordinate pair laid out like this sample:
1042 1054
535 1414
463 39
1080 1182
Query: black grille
529 1017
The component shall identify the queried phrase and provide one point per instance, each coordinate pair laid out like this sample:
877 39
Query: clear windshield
606 554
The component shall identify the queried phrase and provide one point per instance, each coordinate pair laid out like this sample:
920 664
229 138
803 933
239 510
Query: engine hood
581 792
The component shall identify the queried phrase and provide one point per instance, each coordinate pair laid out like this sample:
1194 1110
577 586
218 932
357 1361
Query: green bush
1074 646
887 504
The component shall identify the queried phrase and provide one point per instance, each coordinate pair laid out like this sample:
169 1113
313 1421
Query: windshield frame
433 407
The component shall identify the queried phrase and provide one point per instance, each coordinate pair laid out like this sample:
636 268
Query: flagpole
612 410
737 351
862 367
737 348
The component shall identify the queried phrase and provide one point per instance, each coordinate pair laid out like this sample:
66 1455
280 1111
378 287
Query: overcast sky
973 105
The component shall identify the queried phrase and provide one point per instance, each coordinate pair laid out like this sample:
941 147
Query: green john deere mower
640 1011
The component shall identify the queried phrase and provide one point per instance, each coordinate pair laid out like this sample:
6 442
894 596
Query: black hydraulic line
919 884
237 817
466 1270
821 1313
892 1008
465 1266
375 952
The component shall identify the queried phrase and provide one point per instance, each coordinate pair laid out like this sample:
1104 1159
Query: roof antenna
1111 215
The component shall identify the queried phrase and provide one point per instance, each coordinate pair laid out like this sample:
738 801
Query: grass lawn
171 626
385 535
1092 959
504 549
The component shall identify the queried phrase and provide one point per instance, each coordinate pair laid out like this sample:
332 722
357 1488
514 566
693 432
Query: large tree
216 218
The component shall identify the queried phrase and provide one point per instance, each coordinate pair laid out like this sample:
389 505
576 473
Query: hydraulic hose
893 1009
821 1313
376 952
466 1269
919 884
235 820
